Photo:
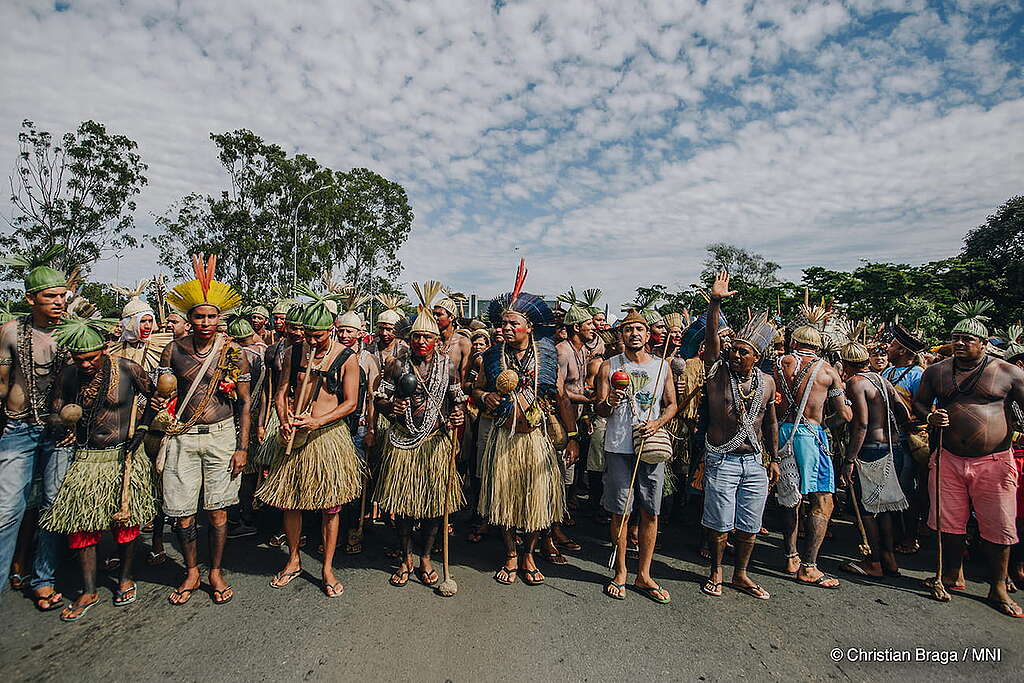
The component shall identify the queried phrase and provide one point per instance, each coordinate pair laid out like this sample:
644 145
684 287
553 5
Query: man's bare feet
426 573
332 587
792 563
650 588
401 575
79 607
189 586
810 575
863 568
616 588
506 574
742 582
222 592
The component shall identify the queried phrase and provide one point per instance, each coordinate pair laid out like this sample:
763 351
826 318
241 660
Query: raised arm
712 344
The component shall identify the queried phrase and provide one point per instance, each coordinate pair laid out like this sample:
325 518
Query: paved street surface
565 630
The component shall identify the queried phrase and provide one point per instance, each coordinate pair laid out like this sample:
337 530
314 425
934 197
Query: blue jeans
735 491
24 450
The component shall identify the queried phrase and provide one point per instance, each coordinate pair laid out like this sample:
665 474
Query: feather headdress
392 312
974 318
529 306
38 273
451 302
810 321
426 293
758 333
203 290
350 316
82 335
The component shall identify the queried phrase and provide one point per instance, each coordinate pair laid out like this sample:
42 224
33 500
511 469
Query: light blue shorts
735 491
813 457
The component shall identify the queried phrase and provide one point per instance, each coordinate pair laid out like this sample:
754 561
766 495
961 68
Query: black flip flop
222 592
531 573
404 573
185 593
48 598
81 609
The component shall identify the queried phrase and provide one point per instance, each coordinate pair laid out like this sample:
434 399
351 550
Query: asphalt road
563 630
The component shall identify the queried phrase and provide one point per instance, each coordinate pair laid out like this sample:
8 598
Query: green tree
350 223
77 192
996 252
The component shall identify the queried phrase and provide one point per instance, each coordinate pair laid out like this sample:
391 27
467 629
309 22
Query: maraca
71 414
166 385
506 382
406 385
620 379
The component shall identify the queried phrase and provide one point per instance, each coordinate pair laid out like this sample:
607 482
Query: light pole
295 233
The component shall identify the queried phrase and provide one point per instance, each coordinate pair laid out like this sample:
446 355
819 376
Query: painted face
443 318
600 322
878 360
177 325
422 344
635 336
741 358
205 321
658 331
258 320
50 302
385 333
89 363
515 328
279 324
349 336
675 337
146 326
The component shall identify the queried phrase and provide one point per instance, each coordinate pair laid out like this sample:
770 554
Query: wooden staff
448 587
865 547
301 399
122 516
938 590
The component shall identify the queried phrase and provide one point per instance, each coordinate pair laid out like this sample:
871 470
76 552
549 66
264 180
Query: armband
162 370
6 361
244 377
838 391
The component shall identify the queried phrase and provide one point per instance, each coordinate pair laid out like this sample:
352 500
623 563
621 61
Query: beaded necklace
38 404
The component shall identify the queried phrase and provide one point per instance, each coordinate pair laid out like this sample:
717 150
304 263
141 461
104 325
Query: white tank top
642 402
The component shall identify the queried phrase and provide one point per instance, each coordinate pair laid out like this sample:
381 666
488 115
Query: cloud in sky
606 142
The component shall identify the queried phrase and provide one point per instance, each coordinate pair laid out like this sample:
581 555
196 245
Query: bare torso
106 401
796 373
45 362
723 417
185 363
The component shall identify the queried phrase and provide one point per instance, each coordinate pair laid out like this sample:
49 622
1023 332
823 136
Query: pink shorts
1018 457
84 539
988 483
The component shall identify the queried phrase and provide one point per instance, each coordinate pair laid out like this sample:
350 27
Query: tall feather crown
529 306
426 293
204 290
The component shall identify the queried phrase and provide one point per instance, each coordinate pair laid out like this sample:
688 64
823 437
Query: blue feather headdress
530 306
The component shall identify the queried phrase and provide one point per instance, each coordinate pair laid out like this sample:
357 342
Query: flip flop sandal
353 548
569 544
423 576
508 574
651 592
334 590
111 564
554 558
277 540
712 588
49 600
221 600
621 587
18 581
392 553
403 578
930 581
285 577
81 609
155 559
1010 609
857 570
121 601
529 577
820 583
184 593
754 591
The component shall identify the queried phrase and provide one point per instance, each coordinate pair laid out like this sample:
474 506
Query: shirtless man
879 416
807 383
242 518
973 392
418 481
107 389
320 471
741 422
458 347
574 356
26 445
259 317
206 446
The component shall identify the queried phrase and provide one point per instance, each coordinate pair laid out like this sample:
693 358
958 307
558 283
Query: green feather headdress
238 324
38 273
974 318
82 335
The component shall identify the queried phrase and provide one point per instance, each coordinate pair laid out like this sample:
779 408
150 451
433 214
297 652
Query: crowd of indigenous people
303 418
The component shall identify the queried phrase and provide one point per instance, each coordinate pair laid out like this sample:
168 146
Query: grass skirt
419 483
91 492
323 474
522 483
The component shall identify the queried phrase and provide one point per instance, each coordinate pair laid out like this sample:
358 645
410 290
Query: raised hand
720 290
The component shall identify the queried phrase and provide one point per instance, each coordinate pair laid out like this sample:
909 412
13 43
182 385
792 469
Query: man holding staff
314 466
972 464
642 403
103 391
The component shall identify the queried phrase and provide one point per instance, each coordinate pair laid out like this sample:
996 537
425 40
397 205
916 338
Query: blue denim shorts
735 491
